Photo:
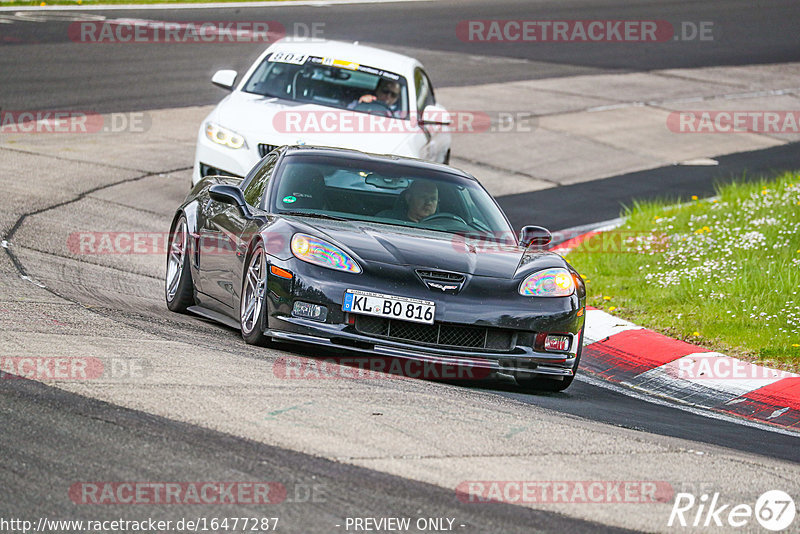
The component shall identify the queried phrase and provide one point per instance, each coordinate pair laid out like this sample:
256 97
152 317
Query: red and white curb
570 238
622 352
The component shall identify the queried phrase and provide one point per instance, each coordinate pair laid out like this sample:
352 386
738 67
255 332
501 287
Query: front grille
441 276
264 149
445 335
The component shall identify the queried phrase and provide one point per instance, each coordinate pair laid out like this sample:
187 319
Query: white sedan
323 93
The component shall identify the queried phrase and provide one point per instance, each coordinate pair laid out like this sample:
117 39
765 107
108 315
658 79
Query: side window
256 186
431 100
474 213
424 90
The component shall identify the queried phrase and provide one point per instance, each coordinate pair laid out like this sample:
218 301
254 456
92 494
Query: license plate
394 307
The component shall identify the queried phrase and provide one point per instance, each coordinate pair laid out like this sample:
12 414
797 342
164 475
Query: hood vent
443 281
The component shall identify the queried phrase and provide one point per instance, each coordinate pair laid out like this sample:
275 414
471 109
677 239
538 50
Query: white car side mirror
224 79
435 115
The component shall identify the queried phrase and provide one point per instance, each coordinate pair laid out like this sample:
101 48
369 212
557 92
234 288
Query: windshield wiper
313 214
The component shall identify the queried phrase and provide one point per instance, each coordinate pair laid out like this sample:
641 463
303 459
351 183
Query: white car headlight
224 136
319 252
556 282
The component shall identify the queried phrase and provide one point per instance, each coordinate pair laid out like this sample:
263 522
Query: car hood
398 245
281 122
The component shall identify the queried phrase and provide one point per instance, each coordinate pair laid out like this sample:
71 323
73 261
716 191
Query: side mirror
534 236
224 79
434 115
227 194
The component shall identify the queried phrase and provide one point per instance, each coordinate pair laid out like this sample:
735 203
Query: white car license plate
394 307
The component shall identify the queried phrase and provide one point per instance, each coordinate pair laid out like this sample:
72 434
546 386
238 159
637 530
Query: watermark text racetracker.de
139 31
731 122
702 367
583 31
238 523
72 122
140 242
160 493
354 122
72 368
156 31
564 491
607 242
371 368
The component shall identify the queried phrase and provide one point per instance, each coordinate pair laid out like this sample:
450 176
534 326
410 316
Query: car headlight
223 136
320 252
556 282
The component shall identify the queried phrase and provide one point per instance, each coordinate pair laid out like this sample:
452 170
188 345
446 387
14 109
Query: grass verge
722 273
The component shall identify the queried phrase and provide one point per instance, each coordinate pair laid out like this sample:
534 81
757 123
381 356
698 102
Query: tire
540 383
253 301
178 287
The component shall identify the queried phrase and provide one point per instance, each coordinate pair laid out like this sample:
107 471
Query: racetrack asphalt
211 408
602 200
43 69
56 439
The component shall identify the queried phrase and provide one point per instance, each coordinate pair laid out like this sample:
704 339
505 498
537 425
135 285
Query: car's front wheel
253 304
178 288
540 383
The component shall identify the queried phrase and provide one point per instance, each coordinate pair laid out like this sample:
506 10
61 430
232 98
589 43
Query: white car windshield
331 83
388 193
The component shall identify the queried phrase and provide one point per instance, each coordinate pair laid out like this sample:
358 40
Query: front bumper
493 365
478 304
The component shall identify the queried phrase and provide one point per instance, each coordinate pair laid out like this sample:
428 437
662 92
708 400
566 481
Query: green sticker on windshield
289 199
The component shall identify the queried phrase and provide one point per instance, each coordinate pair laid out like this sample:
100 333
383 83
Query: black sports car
391 256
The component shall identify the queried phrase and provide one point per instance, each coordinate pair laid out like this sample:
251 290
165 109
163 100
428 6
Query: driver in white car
388 93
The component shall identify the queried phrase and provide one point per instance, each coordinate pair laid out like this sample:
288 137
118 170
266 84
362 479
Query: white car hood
256 117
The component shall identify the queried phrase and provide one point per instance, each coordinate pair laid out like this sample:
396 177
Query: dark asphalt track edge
662 417
568 206
53 439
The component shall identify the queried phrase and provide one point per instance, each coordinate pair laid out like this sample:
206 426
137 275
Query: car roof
352 52
366 156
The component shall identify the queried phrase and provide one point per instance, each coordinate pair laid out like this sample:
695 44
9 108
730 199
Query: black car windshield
388 193
326 82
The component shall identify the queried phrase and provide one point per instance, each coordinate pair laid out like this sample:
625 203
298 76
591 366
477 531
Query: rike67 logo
774 510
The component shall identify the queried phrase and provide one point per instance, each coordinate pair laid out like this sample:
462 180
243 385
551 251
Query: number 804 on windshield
394 307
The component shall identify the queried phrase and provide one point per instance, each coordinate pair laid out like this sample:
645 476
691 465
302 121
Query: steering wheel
445 216
376 107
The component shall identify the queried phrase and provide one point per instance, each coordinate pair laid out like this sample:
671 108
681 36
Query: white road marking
172 7
37 16
32 281
609 107
700 162
777 413
692 99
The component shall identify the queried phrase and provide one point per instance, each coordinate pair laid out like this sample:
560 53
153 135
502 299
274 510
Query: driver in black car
387 93
418 202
